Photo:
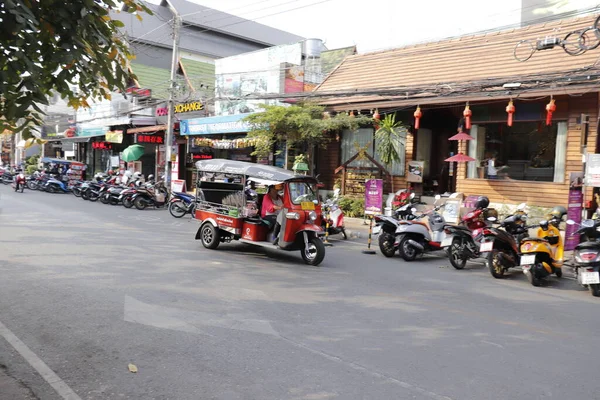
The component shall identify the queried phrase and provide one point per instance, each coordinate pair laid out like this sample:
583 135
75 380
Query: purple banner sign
373 196
574 210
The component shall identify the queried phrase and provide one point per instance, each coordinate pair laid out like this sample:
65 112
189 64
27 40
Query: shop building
479 71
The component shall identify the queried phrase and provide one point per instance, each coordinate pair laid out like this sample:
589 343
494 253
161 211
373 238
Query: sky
383 24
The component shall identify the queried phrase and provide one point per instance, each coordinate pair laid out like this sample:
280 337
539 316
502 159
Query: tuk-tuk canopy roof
251 170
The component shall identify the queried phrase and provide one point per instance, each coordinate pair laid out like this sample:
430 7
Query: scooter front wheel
127 202
139 203
177 208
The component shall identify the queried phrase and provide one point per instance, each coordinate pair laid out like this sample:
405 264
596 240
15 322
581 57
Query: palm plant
390 142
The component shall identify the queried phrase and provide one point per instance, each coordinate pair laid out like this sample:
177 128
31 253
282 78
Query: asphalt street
87 289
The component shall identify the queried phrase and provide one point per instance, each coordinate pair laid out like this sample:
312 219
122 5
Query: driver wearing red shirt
272 204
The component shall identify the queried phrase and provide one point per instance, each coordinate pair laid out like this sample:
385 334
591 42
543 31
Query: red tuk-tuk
228 211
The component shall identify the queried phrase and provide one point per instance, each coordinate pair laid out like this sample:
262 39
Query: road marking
40 366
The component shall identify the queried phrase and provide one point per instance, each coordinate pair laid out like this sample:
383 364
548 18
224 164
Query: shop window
353 141
528 151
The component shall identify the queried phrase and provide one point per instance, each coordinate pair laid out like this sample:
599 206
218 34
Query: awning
147 129
70 139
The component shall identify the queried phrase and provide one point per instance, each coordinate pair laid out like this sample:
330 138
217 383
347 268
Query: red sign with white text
157 138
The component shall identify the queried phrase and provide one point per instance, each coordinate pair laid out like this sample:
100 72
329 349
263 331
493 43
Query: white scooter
333 216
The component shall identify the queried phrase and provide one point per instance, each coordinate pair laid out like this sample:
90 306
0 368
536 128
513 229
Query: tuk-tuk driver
272 204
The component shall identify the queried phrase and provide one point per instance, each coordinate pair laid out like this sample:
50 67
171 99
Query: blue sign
214 125
90 132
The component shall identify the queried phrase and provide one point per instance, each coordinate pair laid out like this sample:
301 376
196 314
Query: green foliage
390 140
302 123
352 207
33 160
48 45
30 169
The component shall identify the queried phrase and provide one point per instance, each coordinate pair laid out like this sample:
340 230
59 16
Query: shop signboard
178 185
574 209
90 131
214 125
114 136
101 146
415 171
373 196
157 138
592 173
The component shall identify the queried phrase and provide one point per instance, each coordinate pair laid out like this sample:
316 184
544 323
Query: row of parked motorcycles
502 245
38 181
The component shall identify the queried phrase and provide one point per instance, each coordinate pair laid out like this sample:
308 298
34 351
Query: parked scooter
182 204
53 185
587 255
542 255
500 247
19 182
386 226
156 196
415 238
333 216
463 240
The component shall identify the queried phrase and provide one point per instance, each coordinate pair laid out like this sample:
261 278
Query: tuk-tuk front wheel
209 236
313 252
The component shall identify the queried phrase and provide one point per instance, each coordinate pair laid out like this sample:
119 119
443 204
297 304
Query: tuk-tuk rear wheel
314 252
209 236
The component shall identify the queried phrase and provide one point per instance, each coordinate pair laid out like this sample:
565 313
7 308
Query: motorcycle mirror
412 196
316 201
570 222
437 197
413 209
492 219
336 192
521 206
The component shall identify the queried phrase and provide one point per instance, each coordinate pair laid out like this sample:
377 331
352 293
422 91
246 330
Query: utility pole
170 105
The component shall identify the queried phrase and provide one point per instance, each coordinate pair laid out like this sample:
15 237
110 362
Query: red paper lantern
510 109
418 114
467 114
376 118
550 108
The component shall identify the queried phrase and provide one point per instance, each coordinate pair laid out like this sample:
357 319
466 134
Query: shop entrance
432 147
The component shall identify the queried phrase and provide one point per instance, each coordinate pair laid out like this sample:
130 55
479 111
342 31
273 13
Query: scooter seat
588 245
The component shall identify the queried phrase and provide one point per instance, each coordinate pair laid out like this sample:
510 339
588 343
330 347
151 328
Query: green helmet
558 212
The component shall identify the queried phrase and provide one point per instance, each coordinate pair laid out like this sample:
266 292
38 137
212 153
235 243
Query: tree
298 124
390 142
47 46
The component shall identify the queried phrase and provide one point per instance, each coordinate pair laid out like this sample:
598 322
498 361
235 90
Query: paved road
86 289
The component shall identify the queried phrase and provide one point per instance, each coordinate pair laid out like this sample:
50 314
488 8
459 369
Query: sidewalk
356 228
12 389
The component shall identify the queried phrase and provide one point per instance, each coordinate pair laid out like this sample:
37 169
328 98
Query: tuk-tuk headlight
292 215
312 216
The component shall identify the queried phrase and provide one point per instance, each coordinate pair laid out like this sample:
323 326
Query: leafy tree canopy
302 123
48 45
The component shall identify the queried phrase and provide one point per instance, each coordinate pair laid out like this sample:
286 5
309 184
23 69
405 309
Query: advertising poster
415 171
574 209
373 196
592 170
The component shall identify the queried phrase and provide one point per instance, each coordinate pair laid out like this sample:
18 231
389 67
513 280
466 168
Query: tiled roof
460 60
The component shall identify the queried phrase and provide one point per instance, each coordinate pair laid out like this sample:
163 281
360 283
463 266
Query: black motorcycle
386 226
500 245
587 255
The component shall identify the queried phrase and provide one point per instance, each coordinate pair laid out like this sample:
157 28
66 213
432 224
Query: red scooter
19 182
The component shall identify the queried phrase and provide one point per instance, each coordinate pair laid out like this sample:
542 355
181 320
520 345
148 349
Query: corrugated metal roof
457 60
153 78
199 73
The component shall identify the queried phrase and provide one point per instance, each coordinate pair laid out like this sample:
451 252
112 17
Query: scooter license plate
528 259
447 241
485 247
590 277
307 205
376 230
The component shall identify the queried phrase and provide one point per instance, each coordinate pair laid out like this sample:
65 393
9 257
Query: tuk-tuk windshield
302 191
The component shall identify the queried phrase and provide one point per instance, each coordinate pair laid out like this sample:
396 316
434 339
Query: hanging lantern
550 108
352 114
467 114
418 114
510 110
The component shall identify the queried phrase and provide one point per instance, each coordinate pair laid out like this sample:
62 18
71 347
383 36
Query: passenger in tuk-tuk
272 204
